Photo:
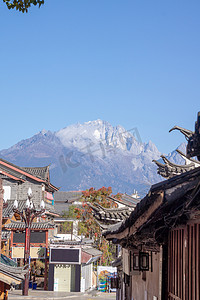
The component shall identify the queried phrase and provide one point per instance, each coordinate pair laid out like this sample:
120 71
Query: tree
99 196
22 5
87 224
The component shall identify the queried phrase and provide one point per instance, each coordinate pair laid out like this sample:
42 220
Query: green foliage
70 214
67 227
82 229
22 5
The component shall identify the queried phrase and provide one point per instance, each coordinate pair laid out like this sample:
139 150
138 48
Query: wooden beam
119 235
145 216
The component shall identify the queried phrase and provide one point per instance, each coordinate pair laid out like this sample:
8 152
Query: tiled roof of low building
93 251
126 200
8 210
13 274
84 241
62 200
110 215
67 197
130 199
35 225
7 261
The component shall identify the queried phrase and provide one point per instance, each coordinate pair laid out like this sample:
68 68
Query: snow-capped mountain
93 154
91 133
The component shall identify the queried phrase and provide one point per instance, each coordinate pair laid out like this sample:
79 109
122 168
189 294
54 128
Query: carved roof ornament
169 169
106 217
193 138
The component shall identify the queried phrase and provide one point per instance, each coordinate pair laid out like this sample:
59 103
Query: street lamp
28 214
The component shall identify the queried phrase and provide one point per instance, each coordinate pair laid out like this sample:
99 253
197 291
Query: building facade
71 266
161 242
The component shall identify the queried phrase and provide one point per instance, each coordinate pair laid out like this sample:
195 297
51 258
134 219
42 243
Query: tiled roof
92 251
169 169
85 241
130 199
34 226
126 200
6 170
110 215
12 273
67 197
174 191
42 172
62 200
8 211
61 207
7 261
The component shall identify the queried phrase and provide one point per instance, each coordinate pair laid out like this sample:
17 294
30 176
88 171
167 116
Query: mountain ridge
92 154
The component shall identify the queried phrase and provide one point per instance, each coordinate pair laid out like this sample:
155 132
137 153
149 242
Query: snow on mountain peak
102 155
43 131
93 135
96 122
98 131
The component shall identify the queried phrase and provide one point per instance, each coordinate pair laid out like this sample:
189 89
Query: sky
131 63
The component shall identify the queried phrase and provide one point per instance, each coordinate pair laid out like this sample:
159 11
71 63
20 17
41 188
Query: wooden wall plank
197 261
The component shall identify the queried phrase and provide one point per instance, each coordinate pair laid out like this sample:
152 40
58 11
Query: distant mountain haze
93 154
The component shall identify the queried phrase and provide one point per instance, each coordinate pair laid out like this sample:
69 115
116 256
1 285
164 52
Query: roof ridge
17 167
24 172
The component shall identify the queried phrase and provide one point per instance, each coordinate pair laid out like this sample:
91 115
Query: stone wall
19 191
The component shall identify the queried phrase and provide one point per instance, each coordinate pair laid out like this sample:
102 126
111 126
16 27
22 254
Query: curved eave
186 158
125 230
52 187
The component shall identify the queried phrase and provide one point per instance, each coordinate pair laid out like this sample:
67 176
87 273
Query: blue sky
133 63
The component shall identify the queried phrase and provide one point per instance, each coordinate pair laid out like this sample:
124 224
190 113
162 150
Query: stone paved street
44 295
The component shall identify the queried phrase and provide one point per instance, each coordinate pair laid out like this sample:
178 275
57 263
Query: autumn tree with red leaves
88 226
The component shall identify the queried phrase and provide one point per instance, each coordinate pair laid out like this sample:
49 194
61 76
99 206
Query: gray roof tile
42 172
67 197
35 225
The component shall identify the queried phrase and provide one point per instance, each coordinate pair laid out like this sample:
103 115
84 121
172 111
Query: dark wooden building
161 242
